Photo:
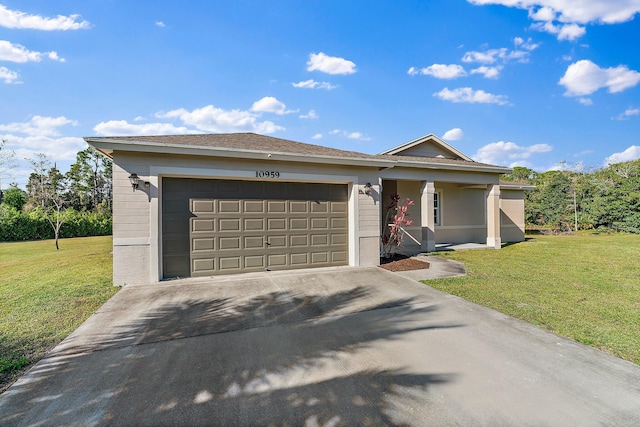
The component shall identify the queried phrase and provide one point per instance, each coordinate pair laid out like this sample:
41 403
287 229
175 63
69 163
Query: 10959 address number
267 174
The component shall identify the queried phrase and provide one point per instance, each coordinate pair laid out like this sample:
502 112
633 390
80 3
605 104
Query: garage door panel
229 263
254 224
253 206
202 206
252 262
319 257
276 206
338 239
319 239
220 227
276 224
320 207
229 206
228 243
276 260
277 241
339 223
299 259
299 240
203 244
339 256
254 242
203 224
298 207
229 224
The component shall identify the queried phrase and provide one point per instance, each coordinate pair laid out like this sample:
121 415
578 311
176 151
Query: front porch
446 215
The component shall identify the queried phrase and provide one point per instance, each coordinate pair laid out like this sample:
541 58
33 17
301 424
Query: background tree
15 197
7 160
38 180
89 181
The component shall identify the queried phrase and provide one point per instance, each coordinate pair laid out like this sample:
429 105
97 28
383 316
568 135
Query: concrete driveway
330 347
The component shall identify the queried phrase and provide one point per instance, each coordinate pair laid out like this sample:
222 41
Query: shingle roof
243 141
268 144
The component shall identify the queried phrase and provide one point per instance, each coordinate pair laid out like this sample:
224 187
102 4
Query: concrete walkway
327 347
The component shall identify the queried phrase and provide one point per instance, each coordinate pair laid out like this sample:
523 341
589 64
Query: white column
426 217
493 217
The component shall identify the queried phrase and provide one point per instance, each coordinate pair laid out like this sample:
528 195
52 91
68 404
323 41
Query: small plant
394 221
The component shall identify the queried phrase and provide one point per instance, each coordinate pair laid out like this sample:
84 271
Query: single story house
208 204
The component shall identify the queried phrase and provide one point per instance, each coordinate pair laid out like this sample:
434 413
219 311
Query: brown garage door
223 226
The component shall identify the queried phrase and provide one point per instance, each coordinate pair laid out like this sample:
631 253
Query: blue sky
510 82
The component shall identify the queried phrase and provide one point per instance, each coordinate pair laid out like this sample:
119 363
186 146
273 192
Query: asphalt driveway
330 347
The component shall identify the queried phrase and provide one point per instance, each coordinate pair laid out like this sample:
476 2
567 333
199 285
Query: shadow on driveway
271 359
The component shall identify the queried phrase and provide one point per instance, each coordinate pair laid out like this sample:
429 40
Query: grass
46 294
584 286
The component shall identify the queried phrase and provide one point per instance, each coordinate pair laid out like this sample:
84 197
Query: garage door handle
268 244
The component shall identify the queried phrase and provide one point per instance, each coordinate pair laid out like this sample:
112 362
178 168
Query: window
436 208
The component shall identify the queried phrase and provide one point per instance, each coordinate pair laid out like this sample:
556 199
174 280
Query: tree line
604 199
76 203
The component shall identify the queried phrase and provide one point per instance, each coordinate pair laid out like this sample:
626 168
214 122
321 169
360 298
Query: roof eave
107 146
449 166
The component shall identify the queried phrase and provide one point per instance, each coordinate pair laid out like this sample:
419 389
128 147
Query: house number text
267 174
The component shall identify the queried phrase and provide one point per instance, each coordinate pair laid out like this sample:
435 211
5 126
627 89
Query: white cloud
62 148
269 104
569 32
440 71
214 119
39 126
491 56
160 24
570 13
9 76
350 135
631 153
508 153
330 64
18 53
310 115
586 101
312 84
317 136
20 20
122 127
453 134
584 78
526 44
470 96
629 112
488 72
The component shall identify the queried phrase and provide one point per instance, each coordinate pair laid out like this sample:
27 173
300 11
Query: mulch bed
402 263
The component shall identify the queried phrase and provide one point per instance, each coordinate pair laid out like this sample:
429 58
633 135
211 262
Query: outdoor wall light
134 180
367 189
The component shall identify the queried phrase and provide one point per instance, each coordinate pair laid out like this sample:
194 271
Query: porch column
426 217
493 217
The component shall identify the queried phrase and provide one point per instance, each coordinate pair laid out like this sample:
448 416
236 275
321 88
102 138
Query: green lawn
585 287
46 294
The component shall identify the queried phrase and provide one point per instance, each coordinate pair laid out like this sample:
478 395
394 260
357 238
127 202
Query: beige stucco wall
427 150
137 221
512 215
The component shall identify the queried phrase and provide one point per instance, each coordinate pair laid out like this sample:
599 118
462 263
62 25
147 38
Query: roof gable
428 146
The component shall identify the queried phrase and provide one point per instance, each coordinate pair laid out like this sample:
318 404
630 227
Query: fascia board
162 148
524 187
445 166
